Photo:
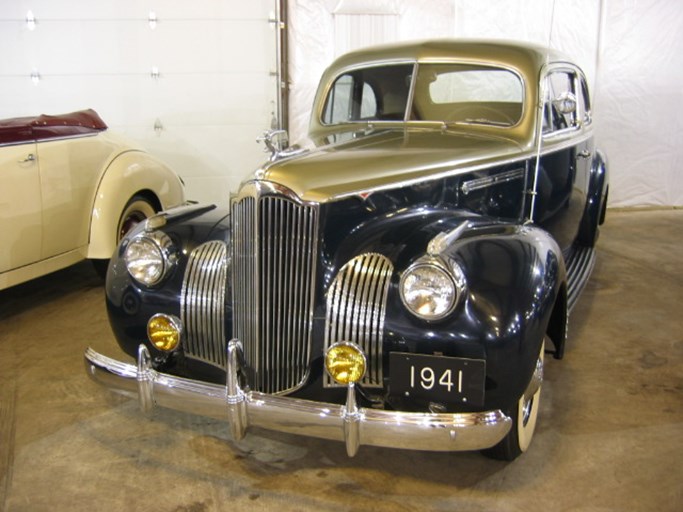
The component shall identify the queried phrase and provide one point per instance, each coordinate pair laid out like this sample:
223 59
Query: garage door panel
215 63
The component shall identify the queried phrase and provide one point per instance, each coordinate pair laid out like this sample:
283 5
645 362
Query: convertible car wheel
137 210
524 415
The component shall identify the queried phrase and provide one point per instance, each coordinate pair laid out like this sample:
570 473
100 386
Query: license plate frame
438 378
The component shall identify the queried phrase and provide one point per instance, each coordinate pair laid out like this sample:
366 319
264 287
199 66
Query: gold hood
387 158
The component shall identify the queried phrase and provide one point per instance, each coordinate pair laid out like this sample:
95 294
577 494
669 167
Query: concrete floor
610 437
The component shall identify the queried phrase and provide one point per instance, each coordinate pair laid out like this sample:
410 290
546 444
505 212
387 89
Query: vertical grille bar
202 303
274 242
356 307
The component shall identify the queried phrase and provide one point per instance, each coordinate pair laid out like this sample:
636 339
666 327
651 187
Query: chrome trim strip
445 239
579 268
392 429
489 181
53 139
356 308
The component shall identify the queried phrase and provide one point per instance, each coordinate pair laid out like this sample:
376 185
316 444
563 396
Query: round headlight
429 291
148 258
164 331
345 362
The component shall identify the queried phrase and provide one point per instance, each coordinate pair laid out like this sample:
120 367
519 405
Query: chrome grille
202 303
356 306
274 238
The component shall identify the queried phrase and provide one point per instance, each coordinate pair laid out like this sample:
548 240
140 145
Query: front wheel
137 209
523 414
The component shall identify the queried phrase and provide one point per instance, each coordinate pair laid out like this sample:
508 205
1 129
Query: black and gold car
394 281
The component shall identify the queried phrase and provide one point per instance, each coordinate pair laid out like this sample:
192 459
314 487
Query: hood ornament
277 143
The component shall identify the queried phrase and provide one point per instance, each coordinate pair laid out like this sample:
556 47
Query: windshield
449 93
371 94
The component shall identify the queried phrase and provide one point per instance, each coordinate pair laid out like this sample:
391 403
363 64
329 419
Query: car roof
527 58
19 130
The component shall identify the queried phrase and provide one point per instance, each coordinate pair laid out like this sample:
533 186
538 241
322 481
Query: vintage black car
396 280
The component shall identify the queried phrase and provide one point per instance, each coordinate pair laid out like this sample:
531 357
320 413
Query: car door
562 170
20 206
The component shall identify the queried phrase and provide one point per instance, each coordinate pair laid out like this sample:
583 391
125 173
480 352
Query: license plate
438 378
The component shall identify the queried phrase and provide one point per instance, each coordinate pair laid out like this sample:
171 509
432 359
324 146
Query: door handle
584 154
30 158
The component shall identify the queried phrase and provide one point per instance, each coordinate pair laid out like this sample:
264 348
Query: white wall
213 96
630 51
215 93
321 30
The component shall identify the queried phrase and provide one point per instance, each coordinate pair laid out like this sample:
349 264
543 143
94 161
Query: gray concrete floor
610 437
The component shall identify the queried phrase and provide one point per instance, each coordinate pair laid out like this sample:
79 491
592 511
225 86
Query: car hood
385 159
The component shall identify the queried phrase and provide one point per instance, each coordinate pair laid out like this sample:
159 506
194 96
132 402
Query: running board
580 264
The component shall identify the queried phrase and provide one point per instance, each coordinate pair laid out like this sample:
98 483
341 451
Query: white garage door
192 82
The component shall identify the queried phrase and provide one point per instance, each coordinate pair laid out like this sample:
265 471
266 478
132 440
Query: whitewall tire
524 415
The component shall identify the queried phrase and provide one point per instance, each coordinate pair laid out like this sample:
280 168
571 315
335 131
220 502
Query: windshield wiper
483 120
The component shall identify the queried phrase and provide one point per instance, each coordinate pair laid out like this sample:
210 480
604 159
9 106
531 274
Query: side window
560 103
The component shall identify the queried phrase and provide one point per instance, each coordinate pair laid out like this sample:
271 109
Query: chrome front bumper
242 409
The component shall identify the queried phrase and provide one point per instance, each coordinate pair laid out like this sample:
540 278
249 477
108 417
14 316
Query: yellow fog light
164 332
345 362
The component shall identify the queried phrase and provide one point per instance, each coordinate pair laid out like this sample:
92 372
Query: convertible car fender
129 174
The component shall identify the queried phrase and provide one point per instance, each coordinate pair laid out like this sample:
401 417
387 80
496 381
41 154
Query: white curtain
630 51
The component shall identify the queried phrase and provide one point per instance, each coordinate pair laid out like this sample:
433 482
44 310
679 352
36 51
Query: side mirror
565 103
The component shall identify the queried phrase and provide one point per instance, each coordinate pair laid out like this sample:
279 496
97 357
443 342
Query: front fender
130 173
130 304
514 274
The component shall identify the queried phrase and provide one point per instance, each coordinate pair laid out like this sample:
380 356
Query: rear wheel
523 414
589 230
137 209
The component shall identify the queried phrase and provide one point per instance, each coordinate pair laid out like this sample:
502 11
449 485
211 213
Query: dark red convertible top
32 129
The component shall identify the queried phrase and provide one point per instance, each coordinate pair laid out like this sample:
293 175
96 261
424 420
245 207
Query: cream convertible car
70 190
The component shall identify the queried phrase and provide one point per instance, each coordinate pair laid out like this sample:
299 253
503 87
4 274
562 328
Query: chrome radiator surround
275 236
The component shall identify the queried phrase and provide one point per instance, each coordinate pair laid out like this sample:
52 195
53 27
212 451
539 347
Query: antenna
539 117
552 22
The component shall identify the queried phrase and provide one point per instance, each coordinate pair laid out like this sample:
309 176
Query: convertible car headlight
149 257
431 291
